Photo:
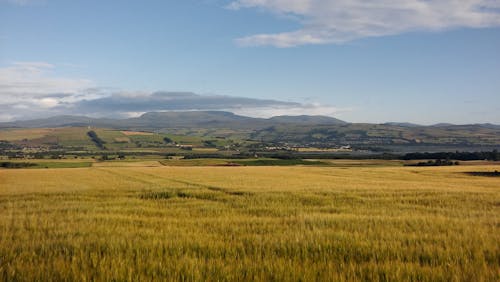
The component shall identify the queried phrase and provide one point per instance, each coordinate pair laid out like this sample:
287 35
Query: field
77 138
347 222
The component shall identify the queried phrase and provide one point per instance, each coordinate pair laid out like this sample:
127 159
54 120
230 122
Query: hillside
382 134
207 126
161 120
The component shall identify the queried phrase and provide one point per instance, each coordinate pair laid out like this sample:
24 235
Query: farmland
74 142
157 133
343 221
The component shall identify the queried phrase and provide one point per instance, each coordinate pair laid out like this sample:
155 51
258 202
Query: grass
250 223
65 136
241 162
277 162
19 134
364 163
194 162
46 164
128 163
131 133
62 164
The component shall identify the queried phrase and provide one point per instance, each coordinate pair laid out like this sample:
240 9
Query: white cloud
338 21
28 89
25 81
6 117
301 109
48 102
32 89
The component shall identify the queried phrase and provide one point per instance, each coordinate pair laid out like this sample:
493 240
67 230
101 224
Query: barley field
299 223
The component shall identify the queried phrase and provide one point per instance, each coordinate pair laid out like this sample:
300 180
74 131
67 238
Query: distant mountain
59 121
190 119
56 121
443 124
489 125
402 124
303 119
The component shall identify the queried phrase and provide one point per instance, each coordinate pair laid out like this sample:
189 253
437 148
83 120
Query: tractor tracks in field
142 177
126 176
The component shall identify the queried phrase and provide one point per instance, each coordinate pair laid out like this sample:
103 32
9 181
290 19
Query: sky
419 61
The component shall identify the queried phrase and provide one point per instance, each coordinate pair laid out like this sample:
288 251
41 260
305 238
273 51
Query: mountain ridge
158 120
207 119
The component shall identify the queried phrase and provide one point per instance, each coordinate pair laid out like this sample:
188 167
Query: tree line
461 156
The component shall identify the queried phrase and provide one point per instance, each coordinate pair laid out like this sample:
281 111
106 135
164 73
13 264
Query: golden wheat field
250 223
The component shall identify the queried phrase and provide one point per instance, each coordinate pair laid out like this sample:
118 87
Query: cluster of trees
15 165
98 141
462 156
5 145
107 157
437 162
209 143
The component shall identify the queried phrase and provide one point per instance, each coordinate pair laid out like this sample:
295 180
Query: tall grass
250 223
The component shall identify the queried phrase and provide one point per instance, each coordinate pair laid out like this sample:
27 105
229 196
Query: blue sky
422 62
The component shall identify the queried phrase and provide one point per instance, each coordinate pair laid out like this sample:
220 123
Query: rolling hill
313 131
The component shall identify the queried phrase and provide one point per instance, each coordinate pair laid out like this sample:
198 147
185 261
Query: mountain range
189 119
202 119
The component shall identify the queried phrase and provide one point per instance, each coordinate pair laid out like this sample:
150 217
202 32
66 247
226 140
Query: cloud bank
339 21
31 90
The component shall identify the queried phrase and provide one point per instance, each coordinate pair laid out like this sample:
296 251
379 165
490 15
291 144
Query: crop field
19 134
257 223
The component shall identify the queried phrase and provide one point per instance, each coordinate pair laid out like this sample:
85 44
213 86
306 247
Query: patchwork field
342 223
77 137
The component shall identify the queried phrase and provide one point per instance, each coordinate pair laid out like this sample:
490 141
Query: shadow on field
495 173
218 195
